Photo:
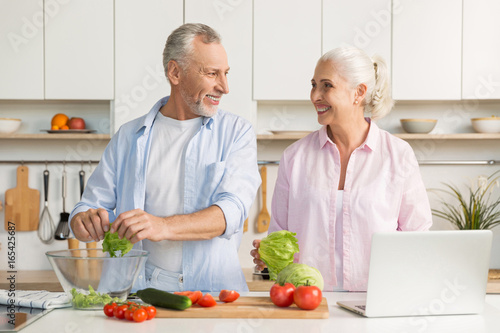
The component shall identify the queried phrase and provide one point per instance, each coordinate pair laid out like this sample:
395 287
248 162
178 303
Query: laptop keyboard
362 307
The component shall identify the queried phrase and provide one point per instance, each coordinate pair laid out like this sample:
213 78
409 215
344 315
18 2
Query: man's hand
255 254
136 225
90 225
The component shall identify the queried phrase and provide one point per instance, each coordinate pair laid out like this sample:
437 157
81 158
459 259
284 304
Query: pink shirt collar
370 141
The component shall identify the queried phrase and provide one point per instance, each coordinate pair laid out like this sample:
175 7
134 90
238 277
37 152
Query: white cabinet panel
21 49
426 50
365 24
287 44
233 21
481 49
142 28
79 50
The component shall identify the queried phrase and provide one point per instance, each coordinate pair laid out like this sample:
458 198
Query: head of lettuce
277 251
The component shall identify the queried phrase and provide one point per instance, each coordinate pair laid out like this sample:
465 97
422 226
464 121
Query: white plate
69 131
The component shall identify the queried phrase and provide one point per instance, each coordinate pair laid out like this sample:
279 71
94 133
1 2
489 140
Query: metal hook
46 164
81 169
90 166
64 166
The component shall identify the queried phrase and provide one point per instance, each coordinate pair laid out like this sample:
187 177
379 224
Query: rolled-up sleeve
240 181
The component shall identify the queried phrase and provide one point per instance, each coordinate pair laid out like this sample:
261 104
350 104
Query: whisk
46 227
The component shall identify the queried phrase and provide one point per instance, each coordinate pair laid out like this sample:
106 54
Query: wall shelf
404 136
56 136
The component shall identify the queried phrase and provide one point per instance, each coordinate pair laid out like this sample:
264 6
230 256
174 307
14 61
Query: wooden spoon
264 218
245 225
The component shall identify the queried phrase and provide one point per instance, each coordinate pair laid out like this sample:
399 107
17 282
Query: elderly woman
340 184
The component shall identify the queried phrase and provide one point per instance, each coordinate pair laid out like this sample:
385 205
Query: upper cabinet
79 49
56 49
233 21
287 44
21 49
345 24
142 28
481 50
427 50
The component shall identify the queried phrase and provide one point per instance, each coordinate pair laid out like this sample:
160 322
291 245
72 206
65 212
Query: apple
76 123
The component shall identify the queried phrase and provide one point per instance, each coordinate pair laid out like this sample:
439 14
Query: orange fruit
65 127
59 120
55 127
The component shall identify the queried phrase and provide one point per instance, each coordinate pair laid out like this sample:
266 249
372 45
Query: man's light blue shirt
220 169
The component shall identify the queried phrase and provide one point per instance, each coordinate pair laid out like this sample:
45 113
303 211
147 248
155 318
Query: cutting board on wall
22 204
247 307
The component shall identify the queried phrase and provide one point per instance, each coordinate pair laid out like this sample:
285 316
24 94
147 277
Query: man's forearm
204 224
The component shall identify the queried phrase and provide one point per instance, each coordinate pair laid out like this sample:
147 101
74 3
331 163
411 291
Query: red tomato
207 301
108 309
129 314
282 295
119 311
194 296
140 315
228 295
151 311
307 297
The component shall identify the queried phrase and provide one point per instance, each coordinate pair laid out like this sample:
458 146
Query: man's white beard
197 107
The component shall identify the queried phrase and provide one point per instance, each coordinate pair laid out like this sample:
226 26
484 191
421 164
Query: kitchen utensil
91 246
22 204
114 276
263 218
247 307
418 125
62 231
46 228
245 225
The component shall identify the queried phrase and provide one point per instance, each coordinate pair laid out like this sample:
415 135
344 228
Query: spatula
263 218
62 231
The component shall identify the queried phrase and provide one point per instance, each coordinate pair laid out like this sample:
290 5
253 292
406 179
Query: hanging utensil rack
444 162
47 162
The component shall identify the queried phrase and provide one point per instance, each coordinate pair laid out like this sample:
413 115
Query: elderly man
180 180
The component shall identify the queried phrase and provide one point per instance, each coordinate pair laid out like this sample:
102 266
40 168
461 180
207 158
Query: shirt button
181 279
140 276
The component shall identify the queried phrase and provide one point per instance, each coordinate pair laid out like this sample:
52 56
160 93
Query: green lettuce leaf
300 275
82 301
277 251
113 244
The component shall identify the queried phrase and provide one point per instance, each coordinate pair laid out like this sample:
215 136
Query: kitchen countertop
47 280
69 320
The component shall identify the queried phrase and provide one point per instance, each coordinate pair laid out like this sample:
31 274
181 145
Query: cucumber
164 299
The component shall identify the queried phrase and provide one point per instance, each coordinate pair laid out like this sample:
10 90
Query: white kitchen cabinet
79 49
365 24
233 21
21 49
427 49
481 49
141 30
287 45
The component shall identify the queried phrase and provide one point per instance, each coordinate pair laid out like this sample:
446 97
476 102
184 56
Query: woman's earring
356 102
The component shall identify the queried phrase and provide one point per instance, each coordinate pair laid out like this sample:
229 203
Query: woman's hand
255 254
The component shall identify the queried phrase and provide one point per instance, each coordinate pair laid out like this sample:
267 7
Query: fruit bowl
486 125
87 273
418 125
9 125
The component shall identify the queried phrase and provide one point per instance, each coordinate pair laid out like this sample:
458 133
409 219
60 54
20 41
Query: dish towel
41 299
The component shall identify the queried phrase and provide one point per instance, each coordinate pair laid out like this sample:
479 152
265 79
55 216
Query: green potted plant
474 210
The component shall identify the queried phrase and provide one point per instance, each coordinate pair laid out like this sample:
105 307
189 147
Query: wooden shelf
404 136
56 136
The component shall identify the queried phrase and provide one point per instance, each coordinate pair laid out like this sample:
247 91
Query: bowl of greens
95 277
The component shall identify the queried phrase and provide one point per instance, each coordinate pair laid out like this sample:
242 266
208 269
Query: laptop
426 273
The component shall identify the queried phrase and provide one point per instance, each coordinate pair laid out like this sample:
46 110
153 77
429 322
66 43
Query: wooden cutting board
247 307
22 204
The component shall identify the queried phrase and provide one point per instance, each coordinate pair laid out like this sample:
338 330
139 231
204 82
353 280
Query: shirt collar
148 120
370 141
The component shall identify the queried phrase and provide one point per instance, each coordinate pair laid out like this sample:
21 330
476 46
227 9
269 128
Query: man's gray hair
179 44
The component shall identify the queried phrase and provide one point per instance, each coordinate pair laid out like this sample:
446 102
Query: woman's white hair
356 67
179 44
